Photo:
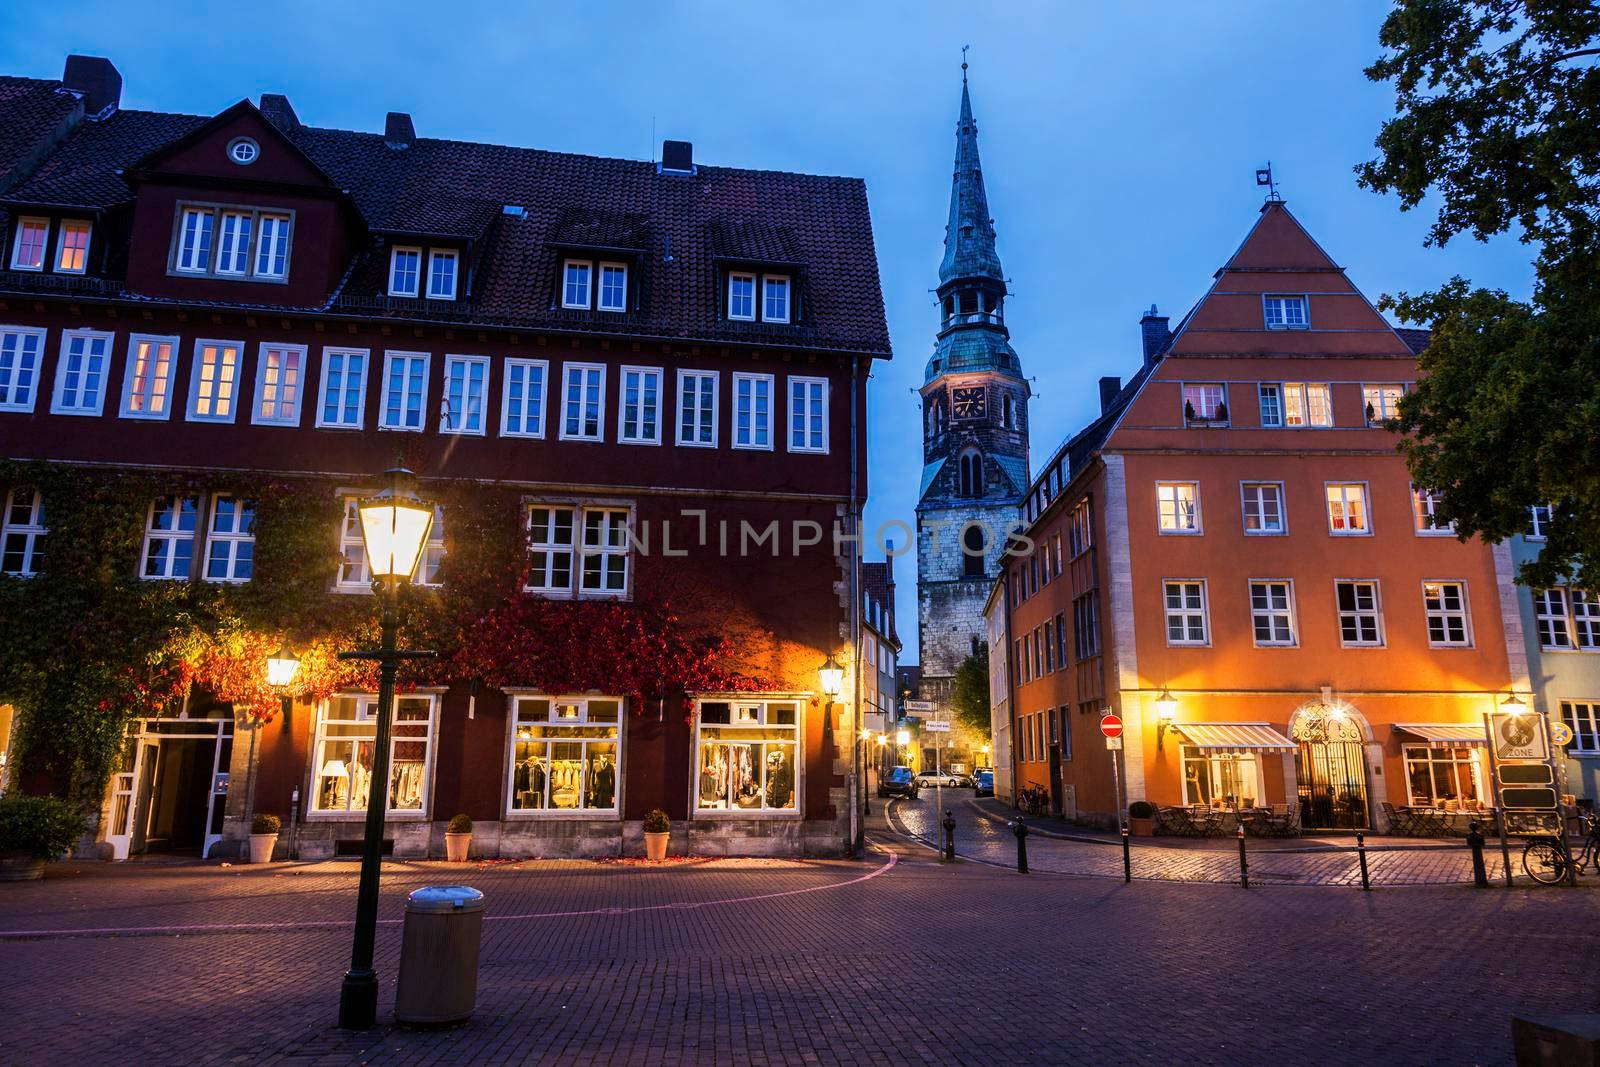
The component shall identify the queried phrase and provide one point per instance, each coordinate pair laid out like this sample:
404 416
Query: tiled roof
83 171
35 110
1416 340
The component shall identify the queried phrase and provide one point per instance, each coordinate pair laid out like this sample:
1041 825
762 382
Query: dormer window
72 246
231 242
588 286
767 297
775 304
742 297
405 271
28 251
442 275
272 247
613 287
575 284
1286 312
233 252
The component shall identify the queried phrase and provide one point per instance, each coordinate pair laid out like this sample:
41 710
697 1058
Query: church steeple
969 250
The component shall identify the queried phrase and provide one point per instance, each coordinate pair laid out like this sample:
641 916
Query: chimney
96 80
276 109
398 131
1110 386
1153 330
677 157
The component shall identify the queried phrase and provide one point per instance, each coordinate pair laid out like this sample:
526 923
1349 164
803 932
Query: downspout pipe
857 828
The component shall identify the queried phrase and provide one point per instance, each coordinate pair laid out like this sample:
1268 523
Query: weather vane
1264 177
964 63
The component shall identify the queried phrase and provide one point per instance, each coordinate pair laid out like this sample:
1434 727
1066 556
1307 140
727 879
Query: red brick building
653 365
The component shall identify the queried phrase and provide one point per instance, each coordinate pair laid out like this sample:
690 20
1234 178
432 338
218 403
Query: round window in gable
243 151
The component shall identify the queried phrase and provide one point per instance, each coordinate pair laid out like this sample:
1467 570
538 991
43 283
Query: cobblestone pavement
982 835
773 962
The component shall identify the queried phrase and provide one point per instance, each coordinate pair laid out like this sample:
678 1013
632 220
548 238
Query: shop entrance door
1331 767
171 790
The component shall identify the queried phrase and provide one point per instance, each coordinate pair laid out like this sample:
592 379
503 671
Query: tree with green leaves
1498 118
970 696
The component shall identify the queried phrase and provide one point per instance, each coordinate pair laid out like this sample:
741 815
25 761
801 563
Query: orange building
1232 557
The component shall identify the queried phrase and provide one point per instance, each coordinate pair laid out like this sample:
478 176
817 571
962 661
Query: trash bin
439 955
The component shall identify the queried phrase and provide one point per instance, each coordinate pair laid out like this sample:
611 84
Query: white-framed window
747 755
169 538
752 410
1539 522
1435 775
1382 402
342 754
550 548
565 754
233 242
741 296
522 410
1220 779
147 382
29 244
1185 604
1445 605
81 373
1585 619
1285 312
576 280
613 287
577 549
21 348
1296 405
639 414
775 298
344 389
72 246
214 381
1262 508
1584 718
1360 614
1205 403
1271 398
22 536
272 246
808 414
466 384
353 576
194 240
280 374
442 264
433 552
405 271
1347 509
1178 507
1425 513
1272 613
230 539
604 551
1551 619
583 402
697 408
233 250
405 391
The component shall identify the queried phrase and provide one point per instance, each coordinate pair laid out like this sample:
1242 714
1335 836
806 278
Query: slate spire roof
969 250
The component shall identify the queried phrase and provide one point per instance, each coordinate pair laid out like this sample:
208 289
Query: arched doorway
1330 767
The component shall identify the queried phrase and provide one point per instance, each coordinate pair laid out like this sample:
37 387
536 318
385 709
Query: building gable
206 154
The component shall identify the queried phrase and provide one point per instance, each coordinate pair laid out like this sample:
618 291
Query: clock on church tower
968 403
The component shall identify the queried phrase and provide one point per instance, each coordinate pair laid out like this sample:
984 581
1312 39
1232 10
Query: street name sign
919 705
936 726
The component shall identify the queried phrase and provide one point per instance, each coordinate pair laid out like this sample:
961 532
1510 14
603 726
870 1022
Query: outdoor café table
1430 822
1209 821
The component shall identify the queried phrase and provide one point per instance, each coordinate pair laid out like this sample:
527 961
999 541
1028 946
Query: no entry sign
1111 724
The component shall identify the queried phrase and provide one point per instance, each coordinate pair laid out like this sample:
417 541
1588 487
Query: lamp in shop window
335 768
831 676
1166 712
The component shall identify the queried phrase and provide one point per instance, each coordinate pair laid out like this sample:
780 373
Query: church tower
974 430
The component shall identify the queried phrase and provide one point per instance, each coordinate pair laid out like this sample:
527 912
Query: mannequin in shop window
780 781
602 783
530 783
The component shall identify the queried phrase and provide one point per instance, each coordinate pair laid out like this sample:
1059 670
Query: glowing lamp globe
831 676
282 666
394 527
903 737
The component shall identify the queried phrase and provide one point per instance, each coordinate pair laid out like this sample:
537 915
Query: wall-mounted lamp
1166 712
1513 705
831 677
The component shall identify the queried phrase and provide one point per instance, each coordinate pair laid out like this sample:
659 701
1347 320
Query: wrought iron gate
1331 766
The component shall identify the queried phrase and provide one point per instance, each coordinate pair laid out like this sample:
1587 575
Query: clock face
968 403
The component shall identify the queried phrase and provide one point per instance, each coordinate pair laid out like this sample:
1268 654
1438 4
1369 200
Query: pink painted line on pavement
314 924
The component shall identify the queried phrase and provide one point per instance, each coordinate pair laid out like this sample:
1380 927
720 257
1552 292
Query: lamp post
394 529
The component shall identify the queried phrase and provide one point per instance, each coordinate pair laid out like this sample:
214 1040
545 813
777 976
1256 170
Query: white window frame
183 259
787 285
601 270
624 404
1251 491
751 711
1267 308
1553 620
741 379
567 301
578 550
440 255
343 354
1464 613
416 277
1200 417
1274 392
433 553
73 226
197 379
616 522
1585 619
57 405
31 532
538 410
1187 612
1300 405
1287 613
755 295
232 539
352 550
187 259
1424 503
789 413
23 224
169 539
1344 503
1178 531
1358 613
1585 734
131 386
453 422
287 413
581 731
1539 516
393 359
543 540
264 253
1383 406
582 400
367 712
1446 754
237 249
17 337
691 404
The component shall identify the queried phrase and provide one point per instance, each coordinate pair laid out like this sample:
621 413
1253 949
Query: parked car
899 782
930 778
983 784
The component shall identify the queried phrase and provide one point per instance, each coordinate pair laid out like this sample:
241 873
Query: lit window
169 537
808 415
81 373
347 730
697 408
1286 312
1205 404
522 413
1307 404
748 755
1382 402
1360 622
1272 613
1425 513
272 247
442 275
1186 612
214 385
565 754
20 351
550 549
742 296
344 389
279 370
233 252
775 298
1347 509
231 539
194 240
575 284
72 248
1437 775
405 271
640 418
353 577
613 287
147 390
405 391
22 537
1263 507
1550 615
1222 779
27 253
583 402
1445 604
752 414
466 381
1178 507
1584 718
605 552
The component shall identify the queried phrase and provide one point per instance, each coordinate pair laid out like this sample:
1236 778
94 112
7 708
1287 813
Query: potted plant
458 838
264 837
1141 818
656 828
34 831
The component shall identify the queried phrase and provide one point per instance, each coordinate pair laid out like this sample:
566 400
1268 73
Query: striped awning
1445 734
1234 736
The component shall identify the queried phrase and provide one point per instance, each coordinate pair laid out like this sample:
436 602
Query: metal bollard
1020 828
949 837
1127 860
1480 873
1361 854
1244 864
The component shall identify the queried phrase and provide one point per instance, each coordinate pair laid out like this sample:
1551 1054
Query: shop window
346 736
747 753
1220 779
564 754
1440 777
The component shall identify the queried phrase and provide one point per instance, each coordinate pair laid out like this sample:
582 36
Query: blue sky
1119 142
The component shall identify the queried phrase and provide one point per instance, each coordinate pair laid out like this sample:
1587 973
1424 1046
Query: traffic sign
936 726
1111 724
1113 744
1518 736
1560 734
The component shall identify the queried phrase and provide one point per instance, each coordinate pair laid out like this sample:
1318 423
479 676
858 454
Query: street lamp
282 666
1166 712
831 676
902 738
1513 705
394 530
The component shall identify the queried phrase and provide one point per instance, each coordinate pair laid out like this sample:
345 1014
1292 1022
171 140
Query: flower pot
455 847
261 846
1142 827
20 867
655 846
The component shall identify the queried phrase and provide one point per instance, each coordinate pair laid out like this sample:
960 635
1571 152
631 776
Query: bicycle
1547 859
